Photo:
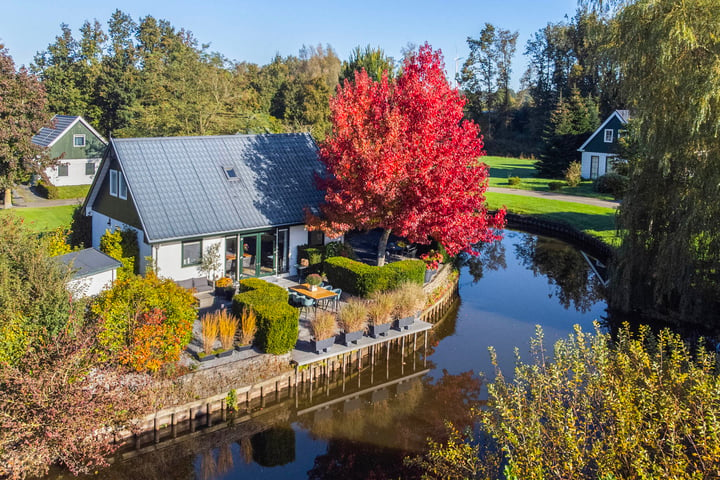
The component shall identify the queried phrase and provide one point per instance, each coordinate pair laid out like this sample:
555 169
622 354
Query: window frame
231 173
84 141
122 187
94 169
63 170
316 233
611 136
113 178
182 253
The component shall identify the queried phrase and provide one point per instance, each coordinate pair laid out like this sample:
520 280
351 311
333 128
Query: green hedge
47 190
360 279
277 321
316 256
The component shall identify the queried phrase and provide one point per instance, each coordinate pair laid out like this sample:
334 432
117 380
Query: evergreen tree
570 124
373 60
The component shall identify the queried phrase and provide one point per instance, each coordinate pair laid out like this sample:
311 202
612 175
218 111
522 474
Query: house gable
100 199
596 142
65 143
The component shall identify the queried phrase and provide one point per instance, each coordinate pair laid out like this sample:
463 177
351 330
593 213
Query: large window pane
249 255
191 253
231 257
282 251
267 257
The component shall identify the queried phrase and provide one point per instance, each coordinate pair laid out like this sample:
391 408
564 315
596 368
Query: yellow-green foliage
122 245
119 310
57 242
15 339
644 406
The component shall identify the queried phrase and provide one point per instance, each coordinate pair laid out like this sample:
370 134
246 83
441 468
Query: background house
602 146
245 193
79 145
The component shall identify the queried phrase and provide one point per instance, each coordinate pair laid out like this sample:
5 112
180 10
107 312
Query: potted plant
409 300
313 280
380 312
248 329
247 257
227 327
324 328
353 320
224 287
432 261
209 329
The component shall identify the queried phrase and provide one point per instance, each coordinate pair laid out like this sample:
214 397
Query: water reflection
490 257
565 269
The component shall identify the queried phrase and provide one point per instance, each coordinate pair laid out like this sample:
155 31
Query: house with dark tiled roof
182 195
78 147
601 148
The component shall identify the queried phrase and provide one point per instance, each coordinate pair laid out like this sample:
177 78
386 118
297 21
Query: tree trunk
8 198
382 246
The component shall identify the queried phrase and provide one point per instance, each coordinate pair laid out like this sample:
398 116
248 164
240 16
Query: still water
362 427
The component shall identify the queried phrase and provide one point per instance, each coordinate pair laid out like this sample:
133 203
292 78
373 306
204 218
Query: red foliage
400 157
154 343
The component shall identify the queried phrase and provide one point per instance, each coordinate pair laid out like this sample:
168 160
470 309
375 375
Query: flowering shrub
154 343
224 282
432 259
314 279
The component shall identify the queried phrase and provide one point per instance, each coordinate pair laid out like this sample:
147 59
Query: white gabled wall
93 284
76 172
102 223
604 158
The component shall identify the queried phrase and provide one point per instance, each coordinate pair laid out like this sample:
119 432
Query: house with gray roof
601 148
78 147
182 195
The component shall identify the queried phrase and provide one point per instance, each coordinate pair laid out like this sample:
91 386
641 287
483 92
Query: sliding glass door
258 254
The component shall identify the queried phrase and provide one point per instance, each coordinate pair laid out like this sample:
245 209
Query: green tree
35 305
373 60
669 260
22 114
570 124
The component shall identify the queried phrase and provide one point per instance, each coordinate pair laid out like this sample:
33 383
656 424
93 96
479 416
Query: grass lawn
73 191
44 219
503 167
596 221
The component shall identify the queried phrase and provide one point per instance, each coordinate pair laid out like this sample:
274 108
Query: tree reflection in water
565 268
491 257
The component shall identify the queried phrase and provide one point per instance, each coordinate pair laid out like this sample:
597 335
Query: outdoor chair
336 298
307 302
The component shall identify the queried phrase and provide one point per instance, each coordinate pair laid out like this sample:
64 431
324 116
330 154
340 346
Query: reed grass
227 327
248 326
353 316
210 328
324 325
380 308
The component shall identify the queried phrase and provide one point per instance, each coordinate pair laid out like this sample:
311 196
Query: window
63 170
191 253
78 140
90 168
230 173
122 191
609 135
316 238
114 183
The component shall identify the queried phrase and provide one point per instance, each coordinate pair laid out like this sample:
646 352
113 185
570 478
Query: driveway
556 196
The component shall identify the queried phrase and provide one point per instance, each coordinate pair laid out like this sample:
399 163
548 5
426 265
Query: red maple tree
401 157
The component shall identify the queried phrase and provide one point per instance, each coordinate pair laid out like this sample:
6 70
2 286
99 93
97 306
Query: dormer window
609 133
231 173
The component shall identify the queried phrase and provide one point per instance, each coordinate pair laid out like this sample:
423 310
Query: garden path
556 196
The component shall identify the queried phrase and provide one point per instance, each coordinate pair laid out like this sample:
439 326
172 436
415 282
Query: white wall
102 223
76 172
93 284
602 165
168 259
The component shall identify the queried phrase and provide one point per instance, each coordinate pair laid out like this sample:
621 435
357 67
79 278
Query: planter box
404 323
352 337
219 291
377 330
229 293
226 353
205 358
243 348
322 345
429 274
246 261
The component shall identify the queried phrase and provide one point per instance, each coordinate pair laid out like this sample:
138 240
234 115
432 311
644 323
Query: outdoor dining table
318 294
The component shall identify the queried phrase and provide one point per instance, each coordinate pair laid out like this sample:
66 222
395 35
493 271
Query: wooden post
208 411
414 349
191 419
402 356
425 352
173 424
344 364
387 361
156 433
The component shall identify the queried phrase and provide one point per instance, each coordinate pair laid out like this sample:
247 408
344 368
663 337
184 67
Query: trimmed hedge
360 279
47 190
317 255
277 321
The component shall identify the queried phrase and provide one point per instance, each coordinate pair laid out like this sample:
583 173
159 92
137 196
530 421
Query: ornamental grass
227 326
210 328
324 325
353 316
409 298
380 308
248 326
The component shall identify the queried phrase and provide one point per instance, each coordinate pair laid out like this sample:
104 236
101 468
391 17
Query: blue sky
255 31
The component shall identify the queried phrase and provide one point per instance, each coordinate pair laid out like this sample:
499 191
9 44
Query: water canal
364 425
